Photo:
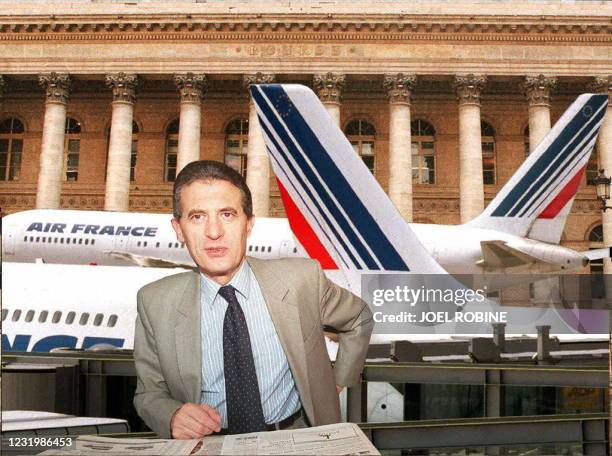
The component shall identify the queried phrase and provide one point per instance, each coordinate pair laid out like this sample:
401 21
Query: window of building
29 316
423 137
489 174
526 144
112 321
236 145
362 134
70 317
72 146
172 134
598 285
592 168
57 316
11 146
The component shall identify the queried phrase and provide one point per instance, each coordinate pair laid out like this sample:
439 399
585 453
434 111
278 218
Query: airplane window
250 248
80 241
37 238
57 316
4 314
93 241
145 243
74 241
29 316
55 241
86 241
83 319
25 239
98 319
182 244
16 315
70 317
294 250
31 238
43 316
138 244
44 239
169 244
61 240
269 248
157 244
112 321
257 248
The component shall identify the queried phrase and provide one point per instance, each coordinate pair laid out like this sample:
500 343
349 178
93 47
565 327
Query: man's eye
197 217
227 215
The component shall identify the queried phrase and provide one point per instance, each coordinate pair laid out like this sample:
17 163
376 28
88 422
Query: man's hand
339 389
194 421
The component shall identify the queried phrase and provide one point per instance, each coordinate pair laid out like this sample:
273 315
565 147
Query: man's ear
177 229
250 224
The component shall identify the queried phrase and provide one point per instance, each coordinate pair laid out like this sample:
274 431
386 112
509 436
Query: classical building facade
103 103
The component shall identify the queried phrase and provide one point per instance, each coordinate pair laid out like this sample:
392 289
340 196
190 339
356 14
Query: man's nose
214 228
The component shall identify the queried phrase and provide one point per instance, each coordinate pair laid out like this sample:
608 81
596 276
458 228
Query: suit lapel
188 339
286 318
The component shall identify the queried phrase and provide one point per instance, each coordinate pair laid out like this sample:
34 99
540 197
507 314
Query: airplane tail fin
335 207
537 199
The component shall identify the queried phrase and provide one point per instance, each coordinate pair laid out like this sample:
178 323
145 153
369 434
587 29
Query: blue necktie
244 410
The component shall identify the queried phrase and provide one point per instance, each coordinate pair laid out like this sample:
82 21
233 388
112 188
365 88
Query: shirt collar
241 282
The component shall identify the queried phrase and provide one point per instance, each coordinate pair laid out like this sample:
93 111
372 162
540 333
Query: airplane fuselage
123 239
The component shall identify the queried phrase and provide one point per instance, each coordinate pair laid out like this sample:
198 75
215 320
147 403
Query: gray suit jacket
300 299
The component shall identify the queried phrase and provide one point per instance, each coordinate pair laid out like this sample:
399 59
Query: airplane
519 231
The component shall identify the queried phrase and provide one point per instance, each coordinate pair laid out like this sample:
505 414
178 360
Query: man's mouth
216 251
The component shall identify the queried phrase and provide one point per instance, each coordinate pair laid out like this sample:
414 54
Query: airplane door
284 249
8 242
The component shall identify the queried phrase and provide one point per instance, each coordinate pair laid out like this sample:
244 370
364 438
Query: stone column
537 90
400 87
117 195
329 88
258 162
603 85
471 188
191 87
49 189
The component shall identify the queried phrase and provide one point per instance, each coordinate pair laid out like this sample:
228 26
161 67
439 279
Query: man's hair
210 170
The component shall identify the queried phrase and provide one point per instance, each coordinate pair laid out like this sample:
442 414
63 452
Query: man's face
214 227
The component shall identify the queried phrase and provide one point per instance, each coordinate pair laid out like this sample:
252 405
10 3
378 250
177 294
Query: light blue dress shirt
279 396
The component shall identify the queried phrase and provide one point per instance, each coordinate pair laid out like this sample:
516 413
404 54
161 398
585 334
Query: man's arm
352 318
152 398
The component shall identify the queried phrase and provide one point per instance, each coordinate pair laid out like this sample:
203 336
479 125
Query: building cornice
307 27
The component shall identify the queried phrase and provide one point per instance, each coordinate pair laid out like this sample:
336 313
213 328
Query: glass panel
427 145
3 159
232 146
57 316
70 318
6 126
355 145
172 160
4 145
29 316
369 161
415 148
233 161
4 314
112 321
16 315
98 319
72 126
245 146
73 145
173 128
83 319
43 316
172 143
367 148
17 145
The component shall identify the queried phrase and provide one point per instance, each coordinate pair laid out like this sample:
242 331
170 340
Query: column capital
329 86
192 87
258 78
56 85
123 86
601 84
537 89
468 87
400 86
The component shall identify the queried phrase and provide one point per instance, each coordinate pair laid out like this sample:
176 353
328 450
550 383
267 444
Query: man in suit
238 346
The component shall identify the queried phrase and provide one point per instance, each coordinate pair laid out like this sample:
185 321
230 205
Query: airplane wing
149 262
498 254
598 254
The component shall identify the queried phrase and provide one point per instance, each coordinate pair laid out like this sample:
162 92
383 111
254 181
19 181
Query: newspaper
87 445
332 439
